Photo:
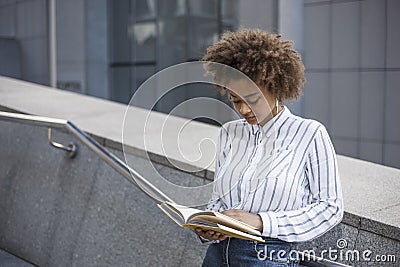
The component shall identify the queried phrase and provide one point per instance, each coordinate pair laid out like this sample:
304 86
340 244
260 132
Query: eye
236 101
254 101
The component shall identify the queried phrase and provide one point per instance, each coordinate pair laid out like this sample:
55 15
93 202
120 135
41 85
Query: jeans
239 252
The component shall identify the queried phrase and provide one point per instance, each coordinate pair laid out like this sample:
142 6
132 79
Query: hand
210 235
246 217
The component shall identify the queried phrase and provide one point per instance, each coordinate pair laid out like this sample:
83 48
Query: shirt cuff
270 224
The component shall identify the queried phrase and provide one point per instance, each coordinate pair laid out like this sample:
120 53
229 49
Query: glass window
144 37
204 8
121 91
203 33
229 15
139 75
172 8
150 35
172 41
229 9
144 9
120 41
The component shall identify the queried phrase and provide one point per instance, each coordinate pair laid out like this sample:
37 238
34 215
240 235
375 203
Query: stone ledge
369 205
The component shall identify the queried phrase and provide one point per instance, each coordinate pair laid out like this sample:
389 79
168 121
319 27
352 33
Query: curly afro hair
270 62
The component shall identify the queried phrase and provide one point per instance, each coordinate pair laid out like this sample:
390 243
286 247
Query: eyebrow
250 95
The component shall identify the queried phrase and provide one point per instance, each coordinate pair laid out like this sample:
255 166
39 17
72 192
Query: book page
209 220
227 221
186 212
221 215
190 214
239 234
225 230
174 216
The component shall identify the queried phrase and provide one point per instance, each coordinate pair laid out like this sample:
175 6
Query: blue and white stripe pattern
285 171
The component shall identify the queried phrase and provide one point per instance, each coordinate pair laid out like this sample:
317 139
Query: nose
244 109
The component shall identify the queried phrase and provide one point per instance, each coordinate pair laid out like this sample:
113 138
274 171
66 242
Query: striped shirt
285 171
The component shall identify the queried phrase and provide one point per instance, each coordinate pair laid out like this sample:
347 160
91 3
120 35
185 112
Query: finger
223 237
215 236
204 235
218 235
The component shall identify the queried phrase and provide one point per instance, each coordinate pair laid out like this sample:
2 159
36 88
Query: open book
209 220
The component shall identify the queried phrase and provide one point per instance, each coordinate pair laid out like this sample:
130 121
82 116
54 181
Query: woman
274 170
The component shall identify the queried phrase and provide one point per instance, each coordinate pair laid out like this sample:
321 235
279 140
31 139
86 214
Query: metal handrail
130 174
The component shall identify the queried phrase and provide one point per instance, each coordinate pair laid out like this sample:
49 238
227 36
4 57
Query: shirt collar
273 123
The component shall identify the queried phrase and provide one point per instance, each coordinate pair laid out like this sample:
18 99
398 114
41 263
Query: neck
272 114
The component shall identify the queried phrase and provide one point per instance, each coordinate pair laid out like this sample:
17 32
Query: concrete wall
57 211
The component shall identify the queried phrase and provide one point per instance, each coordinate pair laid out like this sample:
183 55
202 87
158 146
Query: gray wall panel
317 36
393 34
7 20
372 103
31 19
344 104
356 44
70 31
373 23
316 97
391 154
371 151
10 52
346 147
392 125
345 35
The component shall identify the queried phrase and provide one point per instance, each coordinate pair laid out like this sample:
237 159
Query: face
251 102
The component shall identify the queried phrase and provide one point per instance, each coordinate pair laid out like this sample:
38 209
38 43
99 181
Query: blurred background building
107 48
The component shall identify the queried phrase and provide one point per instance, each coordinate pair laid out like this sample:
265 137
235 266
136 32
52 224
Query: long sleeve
215 203
325 208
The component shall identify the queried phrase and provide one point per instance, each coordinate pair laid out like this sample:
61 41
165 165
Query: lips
250 118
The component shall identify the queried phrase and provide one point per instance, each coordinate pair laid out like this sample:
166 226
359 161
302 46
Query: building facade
107 48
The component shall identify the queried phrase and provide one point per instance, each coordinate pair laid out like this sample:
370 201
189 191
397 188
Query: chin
252 121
